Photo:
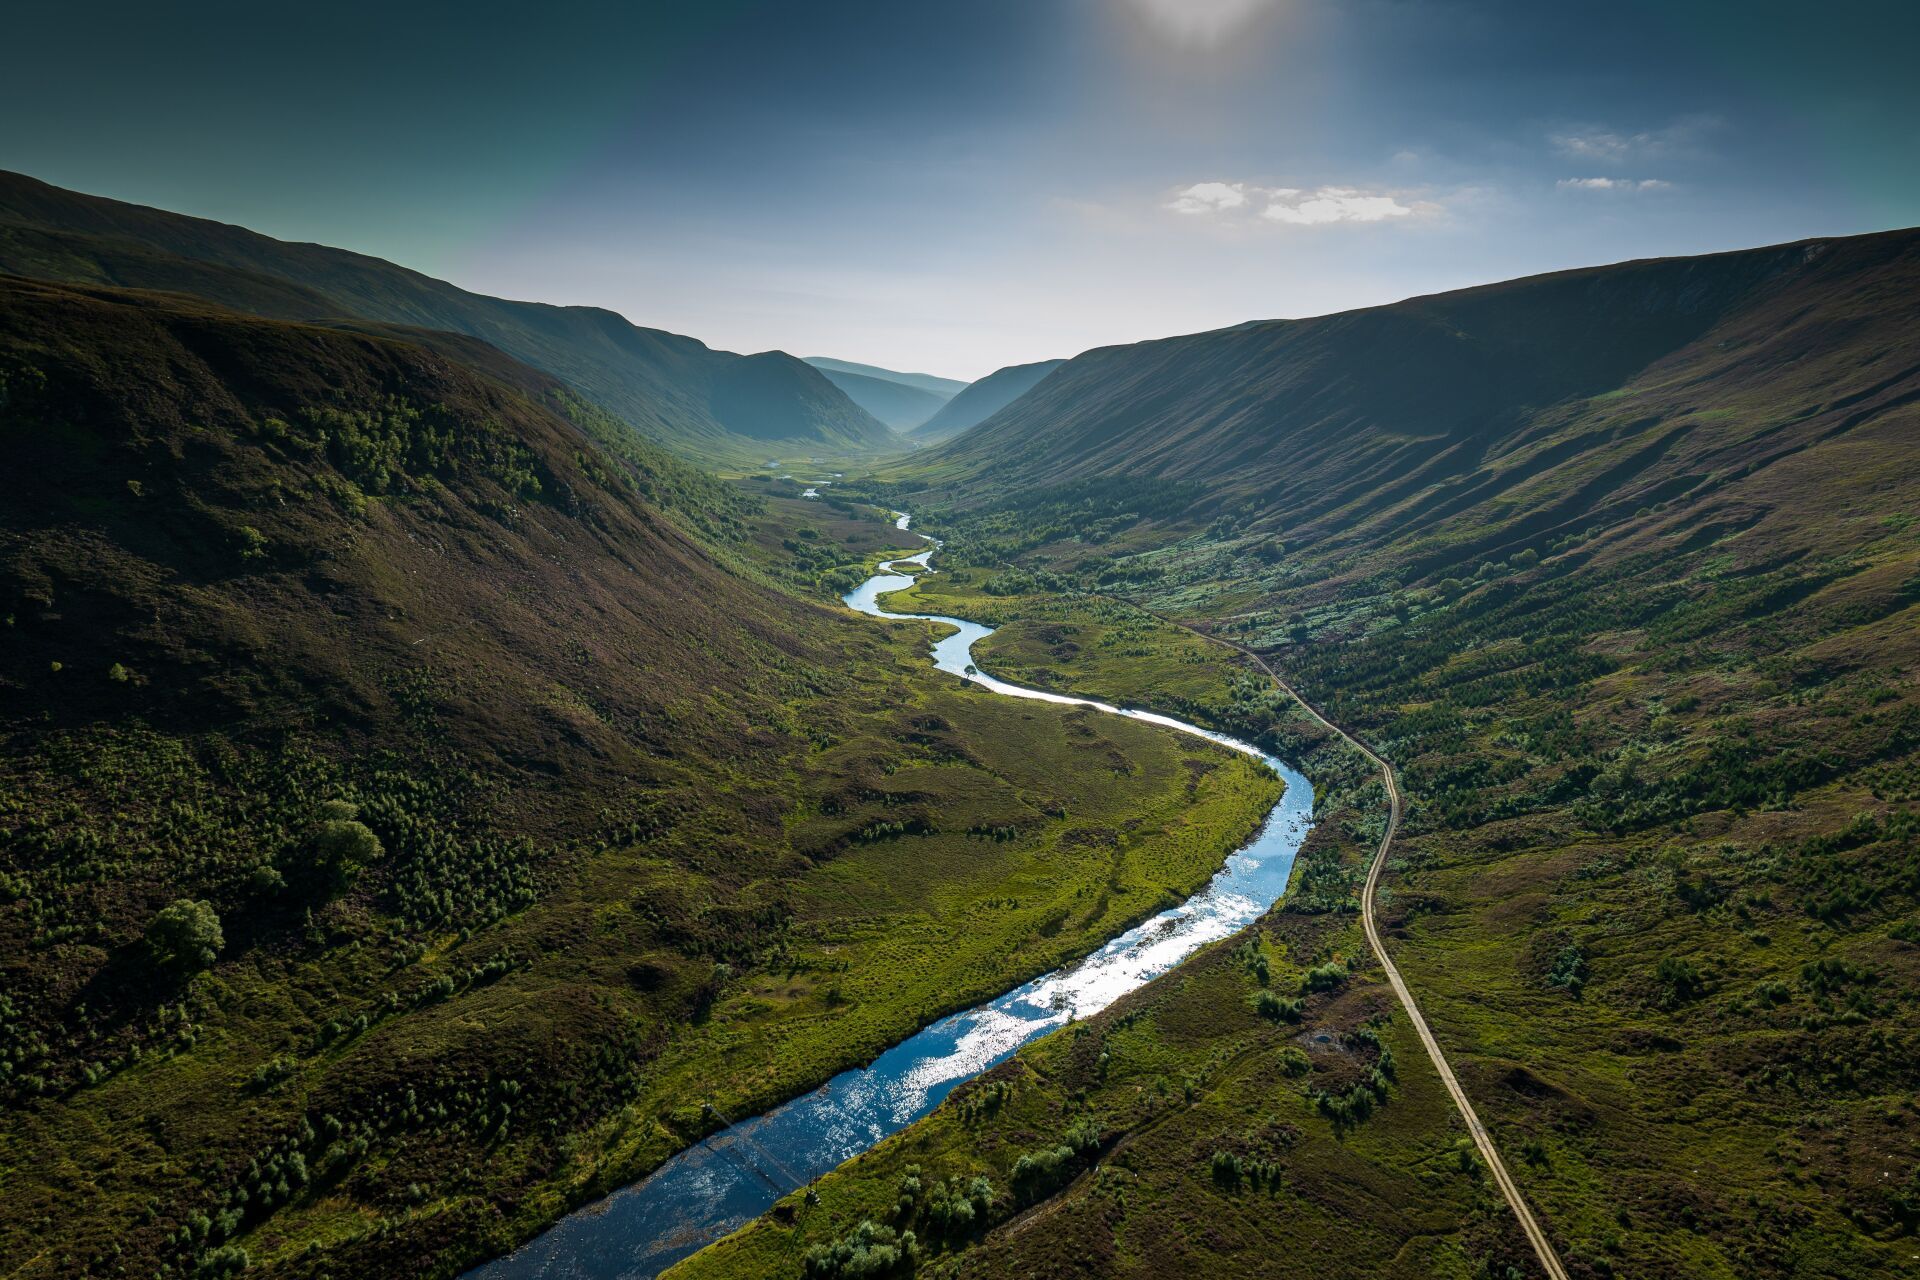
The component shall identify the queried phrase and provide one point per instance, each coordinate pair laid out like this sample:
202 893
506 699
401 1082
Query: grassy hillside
674 390
1619 568
409 823
982 399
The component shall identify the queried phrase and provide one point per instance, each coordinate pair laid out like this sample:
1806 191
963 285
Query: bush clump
868 1250
1037 1174
1326 977
1278 1008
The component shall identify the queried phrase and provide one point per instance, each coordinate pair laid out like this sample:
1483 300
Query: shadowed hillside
982 399
1583 384
673 389
408 823
900 405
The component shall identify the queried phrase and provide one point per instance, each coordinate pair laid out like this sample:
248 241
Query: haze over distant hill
982 399
712 404
945 388
901 400
895 403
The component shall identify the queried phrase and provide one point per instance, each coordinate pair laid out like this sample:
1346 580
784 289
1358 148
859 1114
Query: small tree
185 936
342 845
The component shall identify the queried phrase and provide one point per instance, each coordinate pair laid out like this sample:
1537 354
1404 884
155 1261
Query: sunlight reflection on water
732 1177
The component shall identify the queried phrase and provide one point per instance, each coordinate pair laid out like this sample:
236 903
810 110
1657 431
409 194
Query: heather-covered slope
1456 397
1621 569
674 389
982 399
405 825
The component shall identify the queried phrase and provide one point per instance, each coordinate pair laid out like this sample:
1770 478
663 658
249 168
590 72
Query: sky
952 187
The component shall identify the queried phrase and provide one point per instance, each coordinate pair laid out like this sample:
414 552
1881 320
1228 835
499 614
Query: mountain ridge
1149 408
670 387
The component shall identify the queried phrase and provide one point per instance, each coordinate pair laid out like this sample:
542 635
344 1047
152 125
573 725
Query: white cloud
1209 197
1613 184
1332 204
1295 206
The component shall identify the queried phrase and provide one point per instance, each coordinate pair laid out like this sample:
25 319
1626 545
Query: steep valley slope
416 808
1621 568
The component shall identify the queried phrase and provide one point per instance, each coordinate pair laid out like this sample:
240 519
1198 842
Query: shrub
228 1259
1680 982
1036 1173
1278 1008
868 1250
1569 970
1230 1169
1294 1061
1326 977
185 936
272 1072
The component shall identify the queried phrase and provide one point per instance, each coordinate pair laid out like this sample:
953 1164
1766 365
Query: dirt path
1536 1236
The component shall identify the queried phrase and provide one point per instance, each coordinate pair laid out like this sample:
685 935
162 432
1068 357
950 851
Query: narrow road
1536 1236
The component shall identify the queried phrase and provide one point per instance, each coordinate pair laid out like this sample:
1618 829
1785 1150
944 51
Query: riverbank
633 1231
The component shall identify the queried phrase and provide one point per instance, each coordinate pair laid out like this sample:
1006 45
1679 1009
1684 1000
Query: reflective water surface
732 1177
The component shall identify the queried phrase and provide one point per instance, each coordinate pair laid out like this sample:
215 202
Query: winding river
733 1176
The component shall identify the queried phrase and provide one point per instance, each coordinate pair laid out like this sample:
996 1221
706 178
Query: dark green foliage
984 1100
1229 1169
341 849
1038 1174
867 1250
1277 1007
185 936
1569 970
1325 977
1680 982
948 1209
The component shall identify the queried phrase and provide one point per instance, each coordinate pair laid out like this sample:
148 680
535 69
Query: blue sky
958 186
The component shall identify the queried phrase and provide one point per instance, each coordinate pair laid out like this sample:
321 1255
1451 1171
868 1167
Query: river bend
733 1176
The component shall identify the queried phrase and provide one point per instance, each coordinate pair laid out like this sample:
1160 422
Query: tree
185 935
342 845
